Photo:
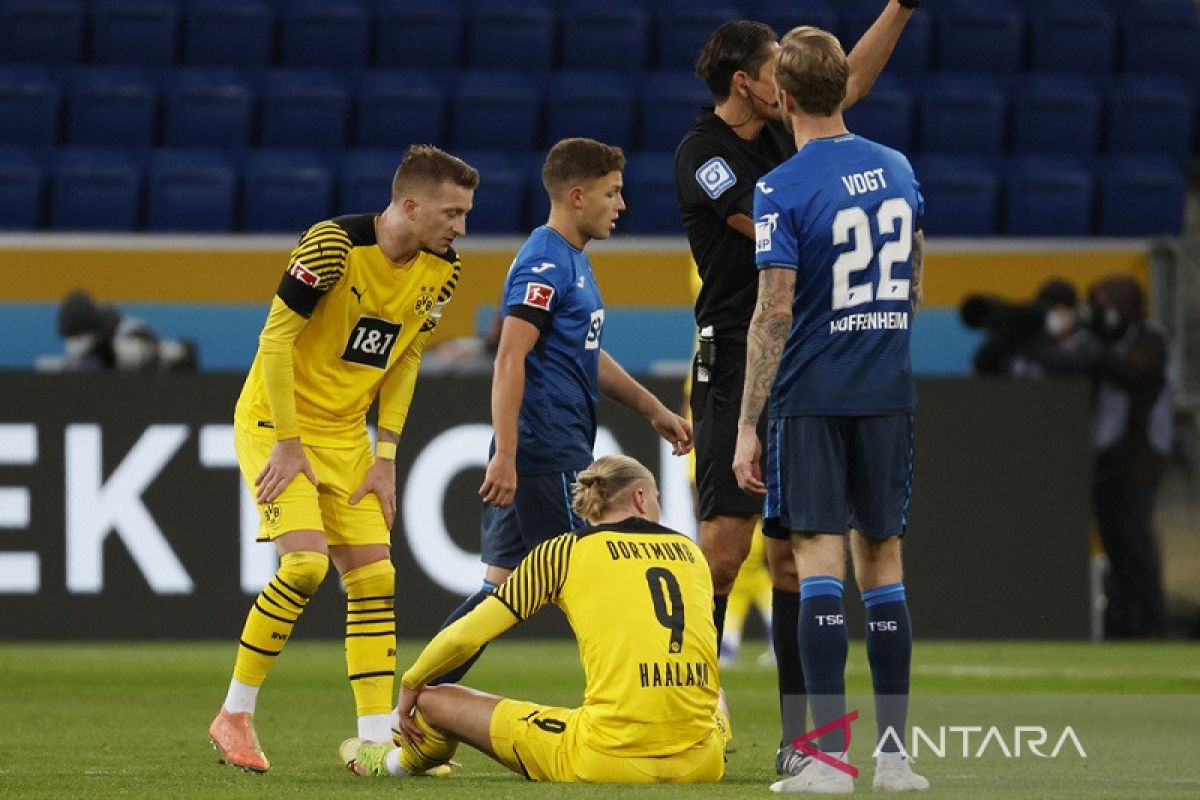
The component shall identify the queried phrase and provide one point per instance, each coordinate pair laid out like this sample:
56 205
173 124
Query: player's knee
435 702
724 567
303 570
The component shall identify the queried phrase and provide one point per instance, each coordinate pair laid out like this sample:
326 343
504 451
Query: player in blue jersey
839 248
551 369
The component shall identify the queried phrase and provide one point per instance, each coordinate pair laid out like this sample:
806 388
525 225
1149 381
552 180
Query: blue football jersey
841 213
557 424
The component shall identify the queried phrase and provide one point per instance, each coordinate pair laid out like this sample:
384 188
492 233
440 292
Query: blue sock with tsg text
824 643
889 651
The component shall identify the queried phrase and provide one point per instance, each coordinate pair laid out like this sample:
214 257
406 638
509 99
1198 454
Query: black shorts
829 474
716 404
540 511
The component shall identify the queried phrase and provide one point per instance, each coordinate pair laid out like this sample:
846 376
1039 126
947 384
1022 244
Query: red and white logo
539 295
304 275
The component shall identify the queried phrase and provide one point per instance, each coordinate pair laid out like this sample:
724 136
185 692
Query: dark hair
811 66
739 45
573 160
426 164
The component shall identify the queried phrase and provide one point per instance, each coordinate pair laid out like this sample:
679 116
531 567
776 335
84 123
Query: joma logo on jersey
371 341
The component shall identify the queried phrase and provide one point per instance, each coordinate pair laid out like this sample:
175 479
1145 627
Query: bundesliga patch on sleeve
538 295
715 177
304 275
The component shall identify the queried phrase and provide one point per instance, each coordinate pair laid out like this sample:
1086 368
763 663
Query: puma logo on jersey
357 294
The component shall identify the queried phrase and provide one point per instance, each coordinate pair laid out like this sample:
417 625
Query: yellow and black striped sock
275 611
438 748
371 636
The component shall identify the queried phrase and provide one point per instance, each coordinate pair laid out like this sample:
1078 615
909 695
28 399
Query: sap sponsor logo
715 177
763 229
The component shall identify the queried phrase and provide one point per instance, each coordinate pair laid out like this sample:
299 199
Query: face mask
1058 321
1112 320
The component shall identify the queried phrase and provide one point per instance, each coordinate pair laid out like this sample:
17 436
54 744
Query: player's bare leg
725 542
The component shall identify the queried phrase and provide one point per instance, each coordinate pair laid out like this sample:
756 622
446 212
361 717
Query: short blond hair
606 485
811 67
425 165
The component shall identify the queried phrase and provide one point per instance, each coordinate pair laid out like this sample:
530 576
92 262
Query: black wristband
909 3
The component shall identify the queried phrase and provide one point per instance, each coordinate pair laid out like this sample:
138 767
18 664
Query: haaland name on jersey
652 674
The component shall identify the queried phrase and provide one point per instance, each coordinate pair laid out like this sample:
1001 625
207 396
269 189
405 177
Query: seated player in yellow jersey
647 642
355 306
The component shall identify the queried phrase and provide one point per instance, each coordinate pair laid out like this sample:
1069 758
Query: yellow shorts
544 743
304 507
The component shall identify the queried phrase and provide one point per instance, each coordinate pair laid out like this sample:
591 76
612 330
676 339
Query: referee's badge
715 176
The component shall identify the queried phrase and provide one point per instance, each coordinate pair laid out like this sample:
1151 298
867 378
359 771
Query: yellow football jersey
367 318
639 598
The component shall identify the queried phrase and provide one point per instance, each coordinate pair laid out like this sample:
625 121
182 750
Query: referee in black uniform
730 146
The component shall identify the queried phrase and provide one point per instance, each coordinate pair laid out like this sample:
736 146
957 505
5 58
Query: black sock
720 602
824 644
793 705
455 675
889 651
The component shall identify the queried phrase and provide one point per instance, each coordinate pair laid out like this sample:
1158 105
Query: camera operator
100 338
1021 338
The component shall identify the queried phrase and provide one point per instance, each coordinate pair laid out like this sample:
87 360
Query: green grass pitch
129 720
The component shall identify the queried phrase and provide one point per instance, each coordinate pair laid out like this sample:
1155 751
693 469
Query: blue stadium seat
1073 36
537 209
325 33
496 110
668 103
983 37
606 35
962 195
652 207
683 26
364 180
1150 114
398 107
500 202
142 32
507 34
885 115
304 108
914 50
41 31
1141 196
22 181
208 107
782 17
598 105
285 190
236 33
1048 196
1056 114
416 33
1163 36
30 106
111 107
95 190
190 190
962 114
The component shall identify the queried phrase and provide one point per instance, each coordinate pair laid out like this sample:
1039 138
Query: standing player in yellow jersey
349 322
647 642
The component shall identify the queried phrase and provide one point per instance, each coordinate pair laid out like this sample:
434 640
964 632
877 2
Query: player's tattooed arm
917 289
766 338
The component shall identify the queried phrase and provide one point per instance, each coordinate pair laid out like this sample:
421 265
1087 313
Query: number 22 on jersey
854 221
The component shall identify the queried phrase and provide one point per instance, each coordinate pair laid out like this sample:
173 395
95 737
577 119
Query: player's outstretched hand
407 704
380 481
675 429
746 461
499 482
287 460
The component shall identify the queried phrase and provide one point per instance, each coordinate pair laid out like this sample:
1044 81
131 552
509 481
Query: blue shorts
829 474
541 511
